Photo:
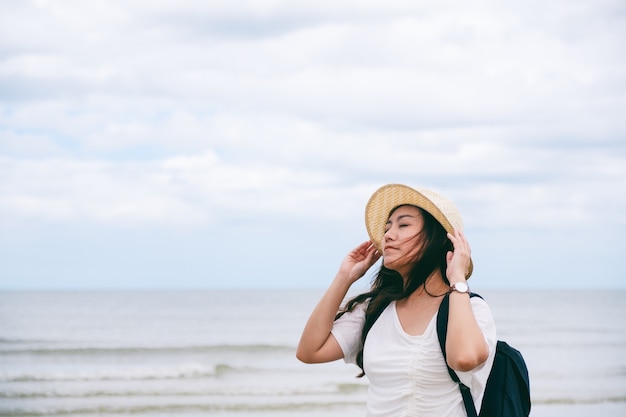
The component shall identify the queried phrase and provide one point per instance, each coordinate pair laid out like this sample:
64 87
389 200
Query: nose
388 234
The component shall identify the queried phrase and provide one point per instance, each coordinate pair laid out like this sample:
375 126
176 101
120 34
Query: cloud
166 116
175 192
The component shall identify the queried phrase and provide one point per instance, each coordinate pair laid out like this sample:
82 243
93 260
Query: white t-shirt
407 374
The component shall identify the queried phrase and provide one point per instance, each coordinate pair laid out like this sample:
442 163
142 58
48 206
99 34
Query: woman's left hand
458 260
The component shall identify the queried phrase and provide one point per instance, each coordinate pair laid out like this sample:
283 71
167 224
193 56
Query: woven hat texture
390 196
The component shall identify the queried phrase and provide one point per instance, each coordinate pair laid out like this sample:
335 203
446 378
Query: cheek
413 247
412 240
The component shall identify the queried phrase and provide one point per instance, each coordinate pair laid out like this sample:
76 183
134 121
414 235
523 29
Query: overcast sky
234 144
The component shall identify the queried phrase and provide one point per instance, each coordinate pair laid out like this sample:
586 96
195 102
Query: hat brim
390 196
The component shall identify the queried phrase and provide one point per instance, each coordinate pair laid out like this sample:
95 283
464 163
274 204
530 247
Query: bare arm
466 347
317 344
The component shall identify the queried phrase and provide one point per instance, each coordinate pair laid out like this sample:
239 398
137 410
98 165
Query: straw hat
390 196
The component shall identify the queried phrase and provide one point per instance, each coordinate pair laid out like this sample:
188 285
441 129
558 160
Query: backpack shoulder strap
442 330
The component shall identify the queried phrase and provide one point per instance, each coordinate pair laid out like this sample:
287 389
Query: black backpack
507 393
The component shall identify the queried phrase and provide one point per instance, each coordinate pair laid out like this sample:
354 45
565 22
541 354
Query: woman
390 331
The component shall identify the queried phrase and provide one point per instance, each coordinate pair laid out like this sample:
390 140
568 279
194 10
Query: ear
449 255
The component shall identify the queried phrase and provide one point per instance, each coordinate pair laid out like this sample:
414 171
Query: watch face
461 287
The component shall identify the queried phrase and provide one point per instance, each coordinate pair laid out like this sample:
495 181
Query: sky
150 144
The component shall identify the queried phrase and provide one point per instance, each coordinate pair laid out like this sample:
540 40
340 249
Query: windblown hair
389 286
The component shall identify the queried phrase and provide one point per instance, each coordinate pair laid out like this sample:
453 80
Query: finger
362 248
453 238
458 238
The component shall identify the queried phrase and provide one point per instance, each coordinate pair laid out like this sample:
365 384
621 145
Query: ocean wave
241 391
579 401
4 340
137 374
143 350
182 408
246 403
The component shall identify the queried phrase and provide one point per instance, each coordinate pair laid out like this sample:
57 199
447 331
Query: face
401 243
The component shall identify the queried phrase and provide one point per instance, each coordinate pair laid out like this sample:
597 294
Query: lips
389 248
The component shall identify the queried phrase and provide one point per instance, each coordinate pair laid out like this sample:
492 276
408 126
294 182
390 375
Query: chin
389 265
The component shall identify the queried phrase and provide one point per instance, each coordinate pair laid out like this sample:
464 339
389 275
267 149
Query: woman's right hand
317 344
358 261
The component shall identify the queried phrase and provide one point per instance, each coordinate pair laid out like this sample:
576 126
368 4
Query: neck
434 286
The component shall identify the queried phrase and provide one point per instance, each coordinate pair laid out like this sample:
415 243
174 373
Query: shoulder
357 314
485 320
347 331
479 305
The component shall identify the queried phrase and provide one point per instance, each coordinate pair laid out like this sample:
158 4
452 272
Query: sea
231 353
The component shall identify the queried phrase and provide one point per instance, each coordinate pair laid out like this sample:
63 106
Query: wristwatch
461 287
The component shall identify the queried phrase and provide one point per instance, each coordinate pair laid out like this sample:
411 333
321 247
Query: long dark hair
388 285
